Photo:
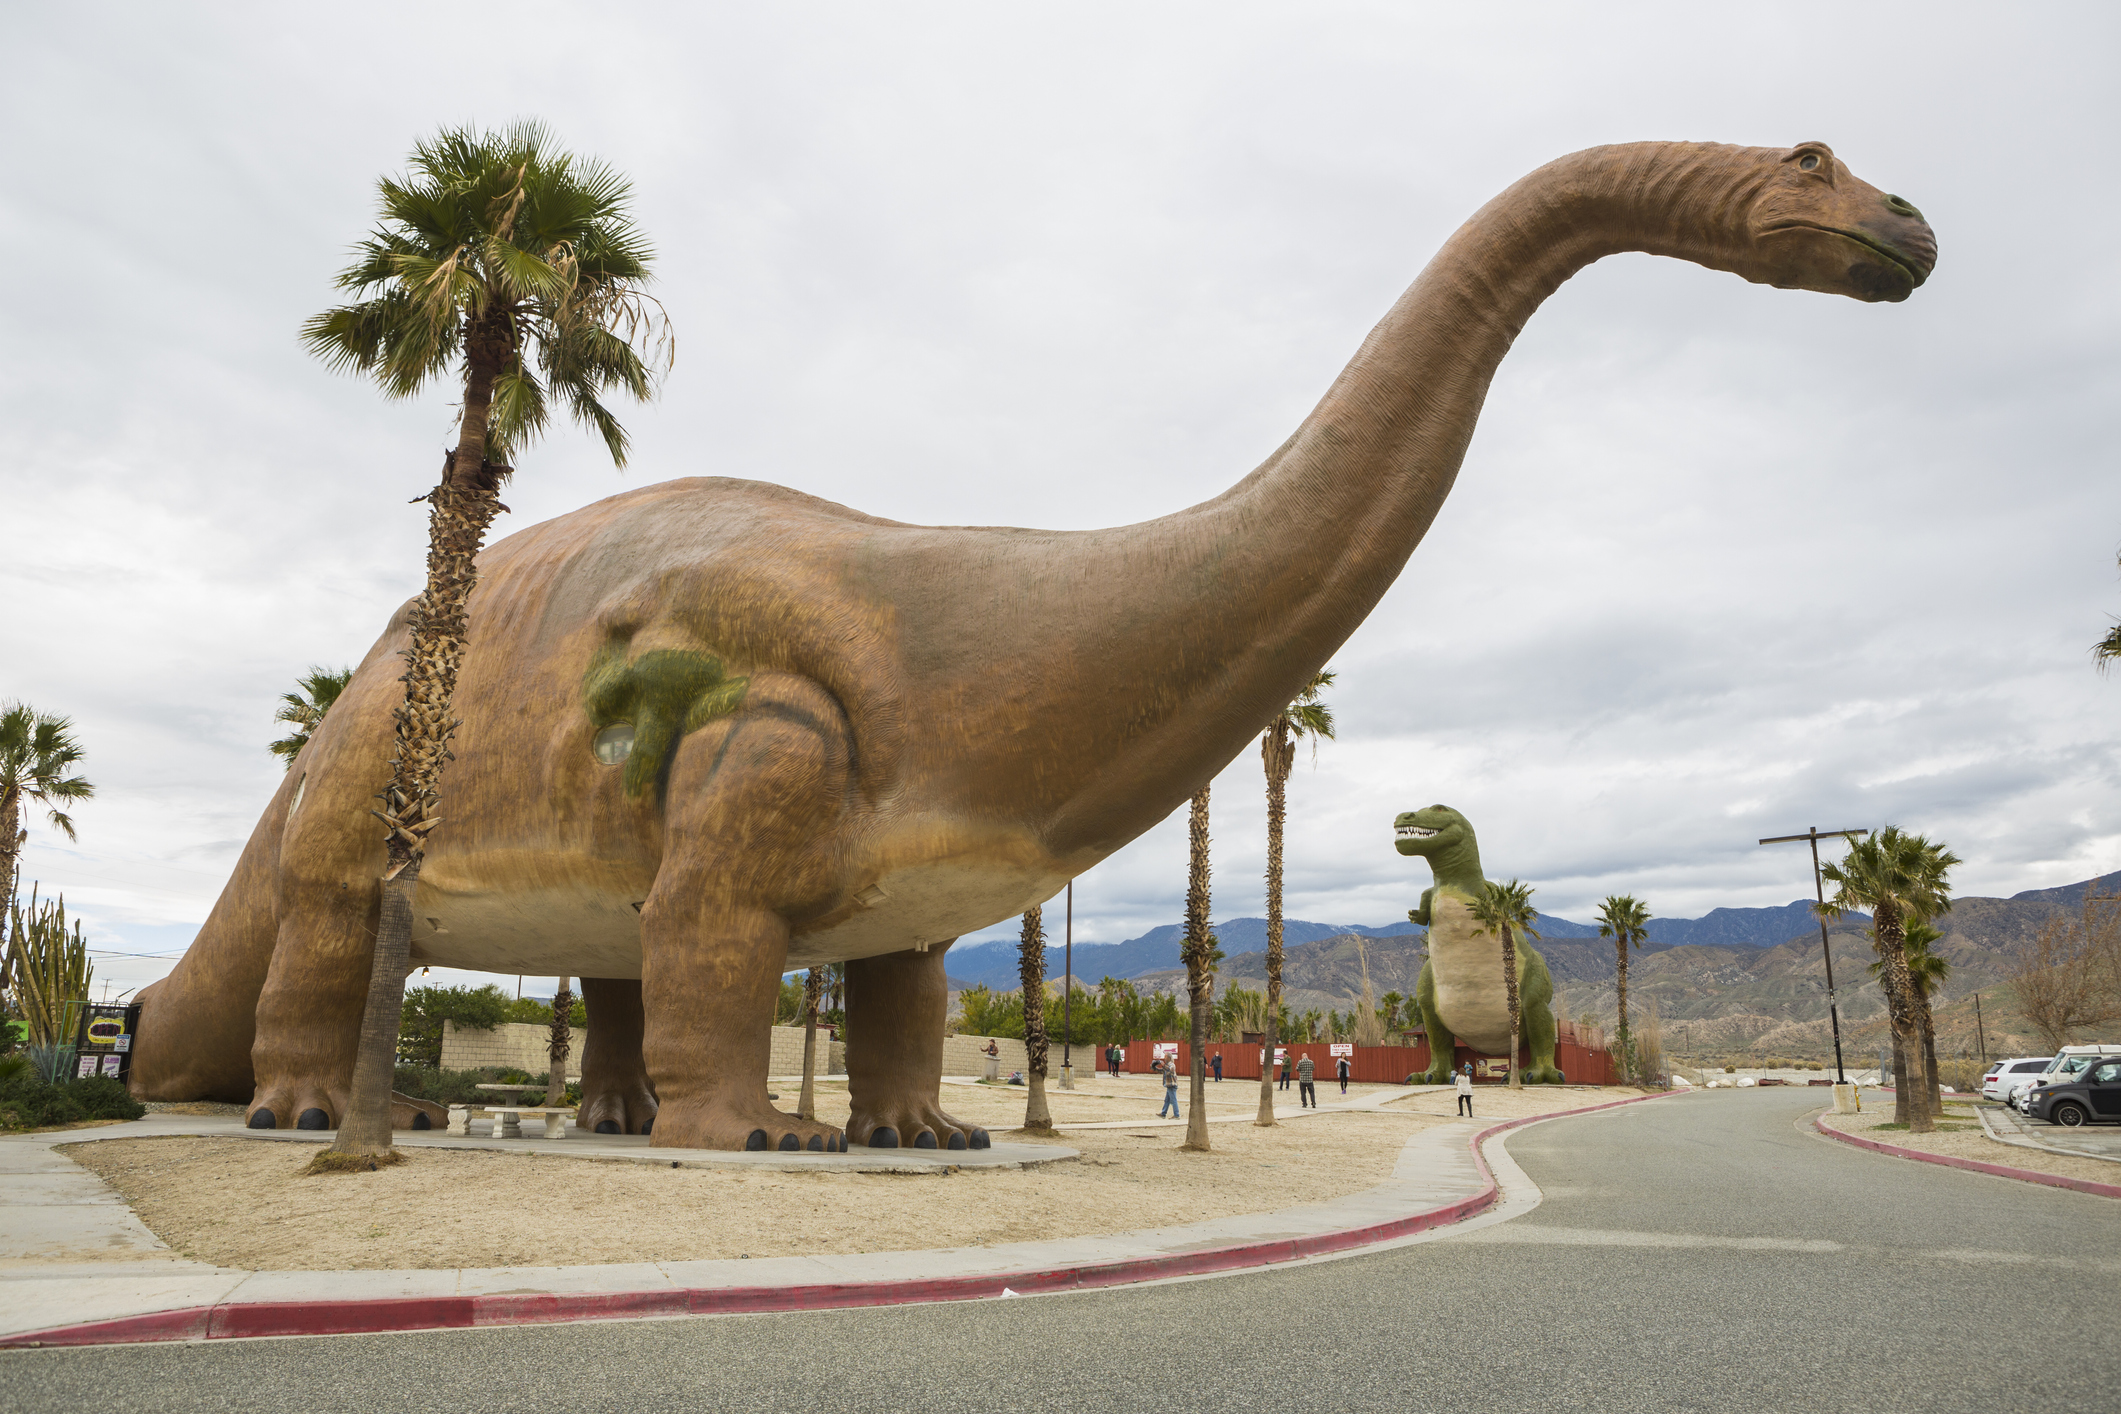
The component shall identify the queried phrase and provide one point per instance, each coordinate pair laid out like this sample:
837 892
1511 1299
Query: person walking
1306 1092
1464 1082
1170 1069
1288 1068
1218 1059
1343 1068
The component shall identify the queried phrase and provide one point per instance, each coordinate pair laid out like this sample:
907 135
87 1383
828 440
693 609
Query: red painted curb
2052 1180
253 1319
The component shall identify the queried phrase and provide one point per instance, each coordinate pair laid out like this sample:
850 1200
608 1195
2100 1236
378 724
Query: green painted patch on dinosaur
663 694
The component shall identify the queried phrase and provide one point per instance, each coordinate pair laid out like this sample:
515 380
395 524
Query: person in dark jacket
1343 1075
1306 1091
1288 1068
1218 1059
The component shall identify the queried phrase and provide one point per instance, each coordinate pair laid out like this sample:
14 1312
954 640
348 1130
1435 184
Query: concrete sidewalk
76 1267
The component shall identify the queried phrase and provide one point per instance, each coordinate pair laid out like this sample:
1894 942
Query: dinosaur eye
1808 163
614 744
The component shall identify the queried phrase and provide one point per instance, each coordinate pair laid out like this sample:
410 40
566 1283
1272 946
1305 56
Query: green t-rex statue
1461 994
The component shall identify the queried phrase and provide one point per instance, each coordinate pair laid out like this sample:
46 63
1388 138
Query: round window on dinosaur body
614 744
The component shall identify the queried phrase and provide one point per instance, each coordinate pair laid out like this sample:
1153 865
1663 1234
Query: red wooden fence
1387 1065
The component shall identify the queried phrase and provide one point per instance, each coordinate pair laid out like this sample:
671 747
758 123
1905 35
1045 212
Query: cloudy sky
1723 562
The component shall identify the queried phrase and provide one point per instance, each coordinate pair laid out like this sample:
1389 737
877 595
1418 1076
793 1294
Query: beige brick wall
965 1055
523 1046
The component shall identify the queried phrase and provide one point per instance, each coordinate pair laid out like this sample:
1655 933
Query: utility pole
1980 1031
1068 990
1833 1008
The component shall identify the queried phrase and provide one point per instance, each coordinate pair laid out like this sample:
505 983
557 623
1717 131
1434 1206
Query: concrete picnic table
508 1119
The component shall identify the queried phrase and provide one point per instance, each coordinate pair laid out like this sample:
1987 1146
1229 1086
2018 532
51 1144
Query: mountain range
1734 981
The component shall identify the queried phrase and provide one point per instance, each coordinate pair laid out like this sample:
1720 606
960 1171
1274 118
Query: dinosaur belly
1466 966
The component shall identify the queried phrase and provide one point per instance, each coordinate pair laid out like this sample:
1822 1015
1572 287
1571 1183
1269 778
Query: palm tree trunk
556 1051
459 511
10 855
813 992
1929 1058
1031 971
1509 976
1627 1062
1279 749
1904 1002
1197 971
1900 1080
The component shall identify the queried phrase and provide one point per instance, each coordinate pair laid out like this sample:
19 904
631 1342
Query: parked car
2067 1062
2091 1096
2004 1078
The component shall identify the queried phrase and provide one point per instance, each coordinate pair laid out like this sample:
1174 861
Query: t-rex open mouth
1413 832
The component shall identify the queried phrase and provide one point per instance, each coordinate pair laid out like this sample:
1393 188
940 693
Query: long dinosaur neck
1243 597
1458 866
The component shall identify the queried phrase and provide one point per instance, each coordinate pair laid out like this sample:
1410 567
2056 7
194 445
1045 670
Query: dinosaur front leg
710 974
895 1013
750 805
1443 1046
617 1097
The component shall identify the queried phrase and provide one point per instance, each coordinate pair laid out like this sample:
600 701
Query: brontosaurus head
1814 225
1430 831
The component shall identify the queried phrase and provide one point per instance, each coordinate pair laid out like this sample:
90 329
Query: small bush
1727 1070
26 1102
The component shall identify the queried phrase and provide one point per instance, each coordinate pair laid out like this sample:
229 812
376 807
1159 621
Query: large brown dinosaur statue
717 729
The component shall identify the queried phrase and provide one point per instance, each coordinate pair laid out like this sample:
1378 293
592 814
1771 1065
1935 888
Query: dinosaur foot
627 1109
912 1125
740 1125
311 1107
1543 1075
1434 1076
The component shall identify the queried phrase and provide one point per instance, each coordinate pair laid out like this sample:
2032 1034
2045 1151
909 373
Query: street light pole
1813 835
1068 990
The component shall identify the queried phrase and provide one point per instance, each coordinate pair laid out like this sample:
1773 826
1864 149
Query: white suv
2069 1061
2005 1078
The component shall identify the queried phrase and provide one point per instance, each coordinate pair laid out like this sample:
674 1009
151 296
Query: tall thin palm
1031 974
1623 918
304 709
1198 954
515 269
1899 879
1306 716
37 753
1505 910
813 993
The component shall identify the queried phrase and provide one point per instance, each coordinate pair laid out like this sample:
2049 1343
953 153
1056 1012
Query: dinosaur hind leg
895 1013
1537 1010
617 1096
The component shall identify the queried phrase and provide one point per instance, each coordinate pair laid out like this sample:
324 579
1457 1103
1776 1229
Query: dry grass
243 1202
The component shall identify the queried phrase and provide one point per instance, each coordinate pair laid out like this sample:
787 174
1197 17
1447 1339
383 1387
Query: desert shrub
1727 1070
26 1102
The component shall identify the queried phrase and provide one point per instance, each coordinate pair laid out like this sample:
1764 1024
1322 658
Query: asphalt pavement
1705 1252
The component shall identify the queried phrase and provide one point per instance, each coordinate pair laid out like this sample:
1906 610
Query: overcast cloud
1723 562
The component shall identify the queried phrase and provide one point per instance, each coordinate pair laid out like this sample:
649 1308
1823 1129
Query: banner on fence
1341 1048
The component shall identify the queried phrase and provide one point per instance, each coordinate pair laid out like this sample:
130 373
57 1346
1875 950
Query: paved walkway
73 1254
2090 1142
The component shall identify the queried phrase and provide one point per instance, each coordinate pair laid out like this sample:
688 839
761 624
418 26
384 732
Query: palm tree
1899 879
1623 917
1031 971
304 709
36 751
813 993
514 268
1200 943
1306 716
1506 910
1930 970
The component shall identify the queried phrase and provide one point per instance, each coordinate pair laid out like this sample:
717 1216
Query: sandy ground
242 1203
1967 1143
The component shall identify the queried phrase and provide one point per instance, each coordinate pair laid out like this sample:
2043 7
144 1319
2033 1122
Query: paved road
1698 1253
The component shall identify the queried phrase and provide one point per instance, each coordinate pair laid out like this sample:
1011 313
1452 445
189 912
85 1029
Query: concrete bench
508 1119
